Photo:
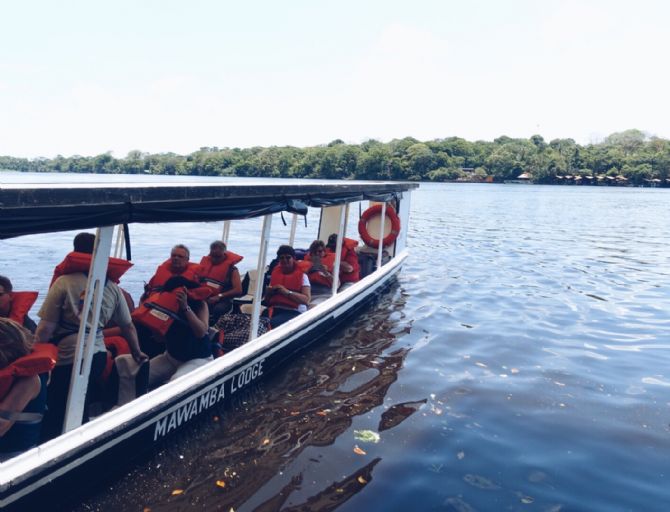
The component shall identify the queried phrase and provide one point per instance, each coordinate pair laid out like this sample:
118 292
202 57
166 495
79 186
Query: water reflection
250 445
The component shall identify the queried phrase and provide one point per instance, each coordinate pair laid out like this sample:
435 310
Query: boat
87 449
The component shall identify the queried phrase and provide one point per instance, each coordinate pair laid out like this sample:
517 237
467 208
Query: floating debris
436 468
220 483
481 365
358 451
362 480
367 436
458 505
527 499
481 482
460 455
468 326
266 441
514 370
399 413
177 492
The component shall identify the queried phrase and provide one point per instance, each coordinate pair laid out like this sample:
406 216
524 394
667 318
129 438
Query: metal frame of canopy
96 279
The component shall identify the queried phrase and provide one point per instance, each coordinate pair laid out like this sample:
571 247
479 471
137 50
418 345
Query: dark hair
332 241
315 246
84 242
177 281
6 283
218 243
286 249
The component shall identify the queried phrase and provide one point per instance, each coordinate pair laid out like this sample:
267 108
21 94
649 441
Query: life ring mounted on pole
375 211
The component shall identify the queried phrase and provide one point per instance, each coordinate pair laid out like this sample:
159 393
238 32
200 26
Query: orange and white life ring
375 211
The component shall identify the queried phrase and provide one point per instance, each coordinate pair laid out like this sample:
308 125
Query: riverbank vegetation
625 158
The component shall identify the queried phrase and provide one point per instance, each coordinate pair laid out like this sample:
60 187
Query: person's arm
304 297
236 286
346 267
235 291
197 321
130 334
23 390
45 330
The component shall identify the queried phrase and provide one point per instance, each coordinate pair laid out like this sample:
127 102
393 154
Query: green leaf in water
366 436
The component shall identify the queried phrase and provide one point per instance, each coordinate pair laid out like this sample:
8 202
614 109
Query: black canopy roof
28 208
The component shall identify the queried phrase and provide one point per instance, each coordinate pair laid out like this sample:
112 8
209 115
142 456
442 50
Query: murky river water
521 362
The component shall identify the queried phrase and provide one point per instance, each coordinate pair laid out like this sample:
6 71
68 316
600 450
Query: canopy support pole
294 222
260 276
120 242
338 248
226 231
381 236
83 355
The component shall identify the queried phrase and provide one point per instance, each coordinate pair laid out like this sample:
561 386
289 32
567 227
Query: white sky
85 76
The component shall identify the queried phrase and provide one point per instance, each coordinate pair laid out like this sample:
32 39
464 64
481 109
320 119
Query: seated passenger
23 375
177 265
186 338
218 271
349 266
319 269
59 324
15 305
289 291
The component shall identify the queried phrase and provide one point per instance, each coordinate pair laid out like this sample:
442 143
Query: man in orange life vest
289 290
218 271
15 305
60 316
177 265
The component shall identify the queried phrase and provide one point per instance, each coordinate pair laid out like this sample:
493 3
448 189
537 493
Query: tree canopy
629 156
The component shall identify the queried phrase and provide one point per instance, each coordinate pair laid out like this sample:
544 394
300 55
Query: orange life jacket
163 273
315 277
116 346
41 360
351 257
162 308
21 304
217 276
81 262
292 281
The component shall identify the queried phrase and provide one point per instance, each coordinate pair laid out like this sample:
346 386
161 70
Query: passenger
187 344
15 305
83 243
349 266
218 271
319 269
177 265
23 376
59 324
289 290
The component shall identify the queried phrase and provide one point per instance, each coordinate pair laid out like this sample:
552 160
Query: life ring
374 211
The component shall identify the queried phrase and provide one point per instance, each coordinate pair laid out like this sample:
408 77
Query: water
520 363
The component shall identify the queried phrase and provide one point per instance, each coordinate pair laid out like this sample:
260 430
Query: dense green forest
628 157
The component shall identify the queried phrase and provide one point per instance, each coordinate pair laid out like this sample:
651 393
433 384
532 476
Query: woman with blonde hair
15 341
24 370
